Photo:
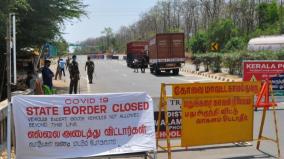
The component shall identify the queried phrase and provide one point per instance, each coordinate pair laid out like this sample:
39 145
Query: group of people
73 67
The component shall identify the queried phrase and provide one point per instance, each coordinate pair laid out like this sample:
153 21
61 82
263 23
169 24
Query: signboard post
70 126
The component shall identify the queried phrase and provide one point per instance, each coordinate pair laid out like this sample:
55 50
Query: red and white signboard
69 126
262 70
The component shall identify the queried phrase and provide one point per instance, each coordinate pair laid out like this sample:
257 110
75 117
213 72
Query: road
114 76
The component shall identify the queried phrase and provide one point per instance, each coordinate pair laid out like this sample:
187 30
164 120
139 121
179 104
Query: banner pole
8 58
275 122
159 115
167 123
265 92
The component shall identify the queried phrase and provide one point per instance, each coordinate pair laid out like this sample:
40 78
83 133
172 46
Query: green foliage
235 43
196 60
42 21
268 14
199 43
215 61
233 61
222 31
61 45
210 61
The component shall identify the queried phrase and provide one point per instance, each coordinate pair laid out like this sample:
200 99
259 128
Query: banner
70 126
217 120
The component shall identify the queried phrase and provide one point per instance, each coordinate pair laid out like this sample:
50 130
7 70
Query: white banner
69 126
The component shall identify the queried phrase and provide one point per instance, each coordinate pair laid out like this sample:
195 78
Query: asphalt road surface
114 76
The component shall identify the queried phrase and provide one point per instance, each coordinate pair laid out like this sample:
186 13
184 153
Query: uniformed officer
74 75
90 67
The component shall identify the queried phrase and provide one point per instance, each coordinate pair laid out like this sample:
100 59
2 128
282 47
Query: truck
135 50
166 53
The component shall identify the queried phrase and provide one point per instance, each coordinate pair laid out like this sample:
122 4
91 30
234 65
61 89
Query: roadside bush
215 60
233 61
205 59
196 60
235 43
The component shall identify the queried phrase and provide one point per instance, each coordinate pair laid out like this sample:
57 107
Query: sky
105 13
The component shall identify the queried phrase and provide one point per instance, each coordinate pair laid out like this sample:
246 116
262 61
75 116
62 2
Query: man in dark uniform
74 75
90 69
142 64
47 74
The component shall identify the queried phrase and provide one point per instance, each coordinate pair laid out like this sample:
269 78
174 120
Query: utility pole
8 70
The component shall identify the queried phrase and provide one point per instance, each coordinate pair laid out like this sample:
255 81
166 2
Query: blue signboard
278 85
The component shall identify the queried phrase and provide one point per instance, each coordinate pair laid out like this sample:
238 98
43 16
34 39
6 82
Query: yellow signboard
215 89
217 120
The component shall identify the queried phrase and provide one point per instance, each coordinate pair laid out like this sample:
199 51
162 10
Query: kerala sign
262 70
266 70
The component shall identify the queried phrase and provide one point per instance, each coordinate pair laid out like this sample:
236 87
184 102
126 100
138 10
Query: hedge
232 61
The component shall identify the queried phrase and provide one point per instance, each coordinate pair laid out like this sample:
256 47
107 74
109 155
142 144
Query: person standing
67 63
47 74
58 70
142 64
74 75
62 66
90 69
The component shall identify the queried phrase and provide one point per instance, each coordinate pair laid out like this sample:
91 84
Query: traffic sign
215 46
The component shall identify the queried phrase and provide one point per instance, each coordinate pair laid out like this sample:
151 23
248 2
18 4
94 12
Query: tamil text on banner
70 126
215 89
217 120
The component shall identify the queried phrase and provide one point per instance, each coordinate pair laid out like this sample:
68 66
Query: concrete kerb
211 75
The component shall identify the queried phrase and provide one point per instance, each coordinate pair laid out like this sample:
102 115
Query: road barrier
212 113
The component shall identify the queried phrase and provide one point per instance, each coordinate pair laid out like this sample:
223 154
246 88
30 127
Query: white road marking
197 80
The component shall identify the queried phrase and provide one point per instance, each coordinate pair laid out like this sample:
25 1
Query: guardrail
3 122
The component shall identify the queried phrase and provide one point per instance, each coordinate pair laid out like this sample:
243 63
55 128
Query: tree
222 31
268 14
38 22
109 36
43 21
199 43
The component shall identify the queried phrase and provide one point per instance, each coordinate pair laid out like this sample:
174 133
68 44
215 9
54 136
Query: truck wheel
151 70
168 71
176 71
157 71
